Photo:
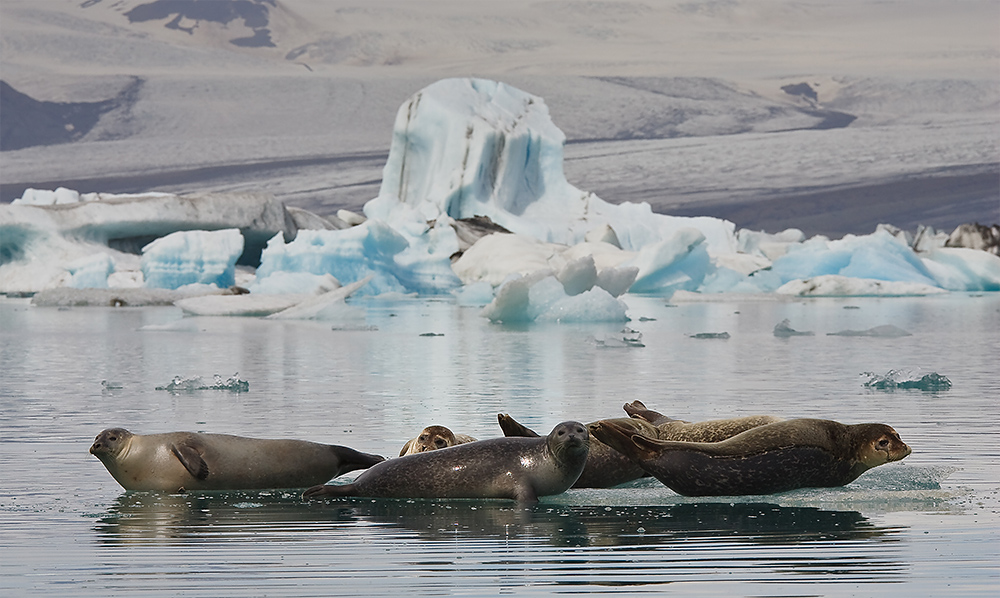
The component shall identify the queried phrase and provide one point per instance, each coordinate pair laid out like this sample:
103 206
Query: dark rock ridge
28 122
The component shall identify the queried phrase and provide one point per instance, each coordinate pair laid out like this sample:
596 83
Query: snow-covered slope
731 101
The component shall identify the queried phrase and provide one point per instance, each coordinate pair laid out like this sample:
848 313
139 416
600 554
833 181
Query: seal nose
95 447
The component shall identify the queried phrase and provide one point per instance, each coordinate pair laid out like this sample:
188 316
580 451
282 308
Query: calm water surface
927 526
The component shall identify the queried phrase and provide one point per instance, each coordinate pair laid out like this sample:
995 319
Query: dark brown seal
517 468
781 456
433 438
179 461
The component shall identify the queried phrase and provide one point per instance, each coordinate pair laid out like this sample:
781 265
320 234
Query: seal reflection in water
179 461
777 457
433 438
521 469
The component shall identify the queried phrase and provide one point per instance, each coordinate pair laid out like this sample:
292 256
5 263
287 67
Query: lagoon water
927 526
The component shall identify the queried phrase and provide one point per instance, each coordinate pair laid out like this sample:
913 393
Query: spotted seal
179 461
605 466
432 438
776 457
521 469
712 430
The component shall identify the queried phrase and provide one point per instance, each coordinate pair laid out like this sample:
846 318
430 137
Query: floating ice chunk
617 281
188 257
471 147
90 272
907 379
327 305
595 305
578 275
883 331
41 197
539 296
232 384
679 262
976 236
370 249
294 283
926 239
963 269
783 329
878 256
512 301
495 258
832 285
710 335
770 246
254 305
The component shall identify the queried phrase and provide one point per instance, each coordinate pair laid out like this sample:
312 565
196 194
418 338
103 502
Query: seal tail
328 490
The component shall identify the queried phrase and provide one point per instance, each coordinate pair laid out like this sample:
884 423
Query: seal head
433 438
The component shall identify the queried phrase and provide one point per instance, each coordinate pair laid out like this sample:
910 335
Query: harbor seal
521 469
712 430
432 438
179 461
777 457
605 466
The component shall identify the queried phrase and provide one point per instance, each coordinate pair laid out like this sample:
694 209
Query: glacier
473 203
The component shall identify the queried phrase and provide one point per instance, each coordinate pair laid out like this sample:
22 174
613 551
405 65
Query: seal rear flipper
637 410
511 428
352 460
623 440
191 459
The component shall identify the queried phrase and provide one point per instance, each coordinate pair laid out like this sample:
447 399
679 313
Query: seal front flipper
191 459
328 490
511 428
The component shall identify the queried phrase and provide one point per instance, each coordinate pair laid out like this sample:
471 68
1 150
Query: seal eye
422 438
883 443
439 443
561 433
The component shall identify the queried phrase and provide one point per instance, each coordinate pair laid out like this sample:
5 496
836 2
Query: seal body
433 438
776 457
179 461
521 469
605 466
712 430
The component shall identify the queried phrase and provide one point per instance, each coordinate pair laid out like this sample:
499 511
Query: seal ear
191 459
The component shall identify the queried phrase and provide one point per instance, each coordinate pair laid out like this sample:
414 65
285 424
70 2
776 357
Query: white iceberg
192 257
468 157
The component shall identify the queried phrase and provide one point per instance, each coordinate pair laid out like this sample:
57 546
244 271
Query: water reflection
612 544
